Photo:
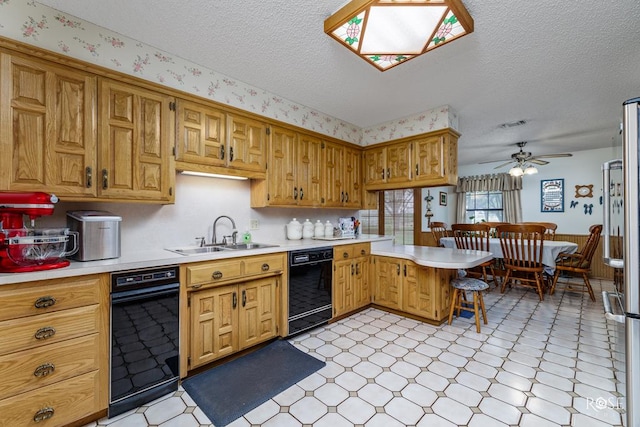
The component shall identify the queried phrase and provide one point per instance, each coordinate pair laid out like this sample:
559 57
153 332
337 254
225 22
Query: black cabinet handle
235 300
231 154
217 274
301 193
222 152
398 269
89 175
265 267
244 298
295 193
352 269
105 179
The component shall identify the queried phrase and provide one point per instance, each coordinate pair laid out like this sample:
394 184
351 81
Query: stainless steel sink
220 247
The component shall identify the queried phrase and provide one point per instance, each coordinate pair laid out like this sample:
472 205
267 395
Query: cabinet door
361 282
309 170
428 158
353 178
333 174
135 143
343 292
283 188
258 311
214 324
418 288
47 128
388 282
399 163
201 134
247 144
375 166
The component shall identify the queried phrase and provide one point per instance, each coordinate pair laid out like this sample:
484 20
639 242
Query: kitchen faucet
234 234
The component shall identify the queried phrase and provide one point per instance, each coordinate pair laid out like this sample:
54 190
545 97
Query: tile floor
552 363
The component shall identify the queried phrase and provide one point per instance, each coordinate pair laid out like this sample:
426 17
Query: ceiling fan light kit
525 161
386 33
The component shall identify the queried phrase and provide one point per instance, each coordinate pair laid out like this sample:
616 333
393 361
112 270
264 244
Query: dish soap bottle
246 237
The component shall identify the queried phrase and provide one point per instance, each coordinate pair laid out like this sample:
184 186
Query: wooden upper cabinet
47 128
201 134
353 178
421 161
333 155
136 141
282 180
294 171
247 143
309 170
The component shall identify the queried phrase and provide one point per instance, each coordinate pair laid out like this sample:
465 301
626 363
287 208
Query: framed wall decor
552 195
443 198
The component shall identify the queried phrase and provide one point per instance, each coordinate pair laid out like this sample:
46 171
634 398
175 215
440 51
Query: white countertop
132 260
437 257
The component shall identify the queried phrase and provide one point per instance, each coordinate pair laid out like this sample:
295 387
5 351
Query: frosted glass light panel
386 33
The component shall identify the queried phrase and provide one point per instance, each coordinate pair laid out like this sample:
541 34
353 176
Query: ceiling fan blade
538 161
502 165
551 156
494 161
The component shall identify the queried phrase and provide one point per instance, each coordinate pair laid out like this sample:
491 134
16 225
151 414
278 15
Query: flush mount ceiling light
386 33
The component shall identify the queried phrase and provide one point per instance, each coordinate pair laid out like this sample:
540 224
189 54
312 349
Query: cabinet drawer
351 251
263 264
64 402
47 364
28 299
214 272
20 334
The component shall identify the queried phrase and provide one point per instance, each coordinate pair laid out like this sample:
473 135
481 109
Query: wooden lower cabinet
54 356
351 289
227 319
411 288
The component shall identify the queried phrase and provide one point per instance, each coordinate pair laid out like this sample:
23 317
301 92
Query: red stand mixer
25 249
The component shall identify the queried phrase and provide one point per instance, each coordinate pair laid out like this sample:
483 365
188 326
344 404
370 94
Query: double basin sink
220 247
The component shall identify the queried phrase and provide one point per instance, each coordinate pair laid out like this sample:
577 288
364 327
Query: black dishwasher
144 359
310 281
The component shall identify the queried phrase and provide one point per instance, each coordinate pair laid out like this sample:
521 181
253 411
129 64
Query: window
484 206
397 214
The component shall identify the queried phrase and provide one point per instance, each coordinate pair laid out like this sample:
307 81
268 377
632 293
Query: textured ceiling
564 67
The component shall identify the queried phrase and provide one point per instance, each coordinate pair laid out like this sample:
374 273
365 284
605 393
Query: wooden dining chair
579 262
493 225
550 229
438 230
475 237
522 255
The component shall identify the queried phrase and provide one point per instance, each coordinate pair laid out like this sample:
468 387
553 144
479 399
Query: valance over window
509 185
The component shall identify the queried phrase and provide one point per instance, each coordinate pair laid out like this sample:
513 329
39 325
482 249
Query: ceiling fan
524 159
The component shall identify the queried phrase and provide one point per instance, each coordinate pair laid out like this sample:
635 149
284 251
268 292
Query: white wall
441 213
199 201
581 169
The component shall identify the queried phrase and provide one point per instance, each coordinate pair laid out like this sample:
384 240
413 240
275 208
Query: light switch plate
254 224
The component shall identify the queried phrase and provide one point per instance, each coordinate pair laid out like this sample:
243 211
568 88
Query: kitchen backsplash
199 201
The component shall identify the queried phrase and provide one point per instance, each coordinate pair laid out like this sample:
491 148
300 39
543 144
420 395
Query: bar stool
460 286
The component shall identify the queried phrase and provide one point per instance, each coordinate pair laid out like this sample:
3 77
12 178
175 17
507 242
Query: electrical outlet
254 224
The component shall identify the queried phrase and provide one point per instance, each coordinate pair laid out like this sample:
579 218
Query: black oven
310 280
144 355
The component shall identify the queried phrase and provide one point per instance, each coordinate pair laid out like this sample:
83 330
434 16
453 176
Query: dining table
550 250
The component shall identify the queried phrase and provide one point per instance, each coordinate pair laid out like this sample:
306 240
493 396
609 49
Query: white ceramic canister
328 229
318 229
294 230
307 229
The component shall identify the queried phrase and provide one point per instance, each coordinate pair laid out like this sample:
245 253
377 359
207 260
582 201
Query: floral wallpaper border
39 25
